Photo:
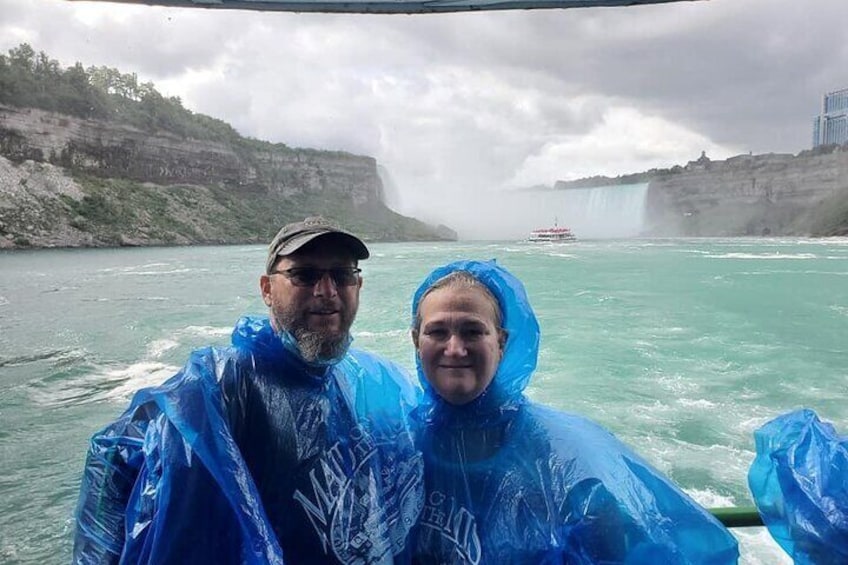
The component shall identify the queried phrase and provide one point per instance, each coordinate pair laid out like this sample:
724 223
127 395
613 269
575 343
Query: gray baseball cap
295 235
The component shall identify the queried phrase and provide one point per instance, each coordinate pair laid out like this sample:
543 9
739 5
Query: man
284 448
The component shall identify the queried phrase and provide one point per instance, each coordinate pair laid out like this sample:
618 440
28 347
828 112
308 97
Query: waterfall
591 213
602 212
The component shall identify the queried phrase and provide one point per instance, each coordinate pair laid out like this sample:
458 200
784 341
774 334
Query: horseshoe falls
604 212
607 212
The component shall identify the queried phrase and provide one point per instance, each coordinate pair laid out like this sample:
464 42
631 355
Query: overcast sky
454 106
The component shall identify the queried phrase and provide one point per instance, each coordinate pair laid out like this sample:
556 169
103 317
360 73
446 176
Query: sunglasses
310 276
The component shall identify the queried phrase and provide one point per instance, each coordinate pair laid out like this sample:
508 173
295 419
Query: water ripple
62 357
100 384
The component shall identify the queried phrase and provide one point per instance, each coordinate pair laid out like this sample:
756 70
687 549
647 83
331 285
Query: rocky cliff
773 194
67 181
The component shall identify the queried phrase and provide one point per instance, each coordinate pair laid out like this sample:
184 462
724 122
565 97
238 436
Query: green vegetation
33 80
126 212
30 79
620 180
121 211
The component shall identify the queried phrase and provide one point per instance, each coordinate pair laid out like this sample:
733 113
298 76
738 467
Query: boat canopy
390 6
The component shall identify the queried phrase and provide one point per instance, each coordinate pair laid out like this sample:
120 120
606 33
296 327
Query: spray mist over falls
606 212
592 213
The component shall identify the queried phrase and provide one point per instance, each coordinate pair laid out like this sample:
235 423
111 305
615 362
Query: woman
511 481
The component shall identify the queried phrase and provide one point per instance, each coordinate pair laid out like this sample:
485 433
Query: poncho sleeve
173 438
619 509
799 480
112 466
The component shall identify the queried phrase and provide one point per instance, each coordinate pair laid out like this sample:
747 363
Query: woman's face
459 343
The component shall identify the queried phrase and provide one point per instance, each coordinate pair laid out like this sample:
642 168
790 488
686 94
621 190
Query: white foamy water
133 267
160 346
389 333
770 256
208 331
159 273
757 547
102 384
710 499
842 310
700 403
137 376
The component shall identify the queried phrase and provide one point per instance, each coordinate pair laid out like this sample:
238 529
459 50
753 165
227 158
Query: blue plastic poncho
248 455
799 480
510 481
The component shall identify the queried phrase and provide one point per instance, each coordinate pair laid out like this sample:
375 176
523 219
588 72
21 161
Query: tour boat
555 234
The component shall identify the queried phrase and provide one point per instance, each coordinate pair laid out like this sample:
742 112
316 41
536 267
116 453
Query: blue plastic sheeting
391 7
510 481
248 455
799 480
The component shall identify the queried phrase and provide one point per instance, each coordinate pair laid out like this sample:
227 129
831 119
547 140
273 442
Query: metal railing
737 516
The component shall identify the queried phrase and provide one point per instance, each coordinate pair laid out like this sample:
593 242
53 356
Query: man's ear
502 337
265 289
415 339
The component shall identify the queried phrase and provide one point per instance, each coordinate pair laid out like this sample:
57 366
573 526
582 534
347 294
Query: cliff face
768 194
115 150
66 181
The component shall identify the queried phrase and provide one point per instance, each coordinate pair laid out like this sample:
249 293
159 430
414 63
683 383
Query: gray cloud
455 106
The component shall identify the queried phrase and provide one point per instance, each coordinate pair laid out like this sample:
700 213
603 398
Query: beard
318 344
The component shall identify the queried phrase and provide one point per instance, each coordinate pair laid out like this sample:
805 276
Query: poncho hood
505 392
255 333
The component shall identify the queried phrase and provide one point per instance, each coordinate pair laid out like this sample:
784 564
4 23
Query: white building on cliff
831 126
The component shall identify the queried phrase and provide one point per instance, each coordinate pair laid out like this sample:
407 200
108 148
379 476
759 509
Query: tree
22 57
28 79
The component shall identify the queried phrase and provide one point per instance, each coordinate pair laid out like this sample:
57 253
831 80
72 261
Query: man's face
319 315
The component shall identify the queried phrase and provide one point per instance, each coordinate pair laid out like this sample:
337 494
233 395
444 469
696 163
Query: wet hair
460 280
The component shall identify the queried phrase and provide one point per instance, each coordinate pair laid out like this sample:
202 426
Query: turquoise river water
681 347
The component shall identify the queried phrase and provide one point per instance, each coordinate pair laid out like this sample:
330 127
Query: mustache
325 305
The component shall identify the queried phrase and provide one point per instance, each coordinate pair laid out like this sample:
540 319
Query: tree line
34 80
